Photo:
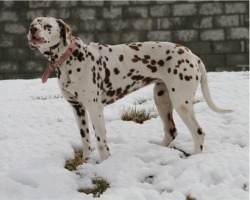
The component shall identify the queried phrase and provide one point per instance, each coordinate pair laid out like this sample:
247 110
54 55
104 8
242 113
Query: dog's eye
47 26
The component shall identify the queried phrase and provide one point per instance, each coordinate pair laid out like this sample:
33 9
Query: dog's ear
65 31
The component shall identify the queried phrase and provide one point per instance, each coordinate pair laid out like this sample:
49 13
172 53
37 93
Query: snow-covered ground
38 136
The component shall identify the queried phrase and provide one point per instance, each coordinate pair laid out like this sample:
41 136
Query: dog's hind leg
165 110
183 104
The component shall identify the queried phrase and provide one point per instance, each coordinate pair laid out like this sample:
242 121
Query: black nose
33 30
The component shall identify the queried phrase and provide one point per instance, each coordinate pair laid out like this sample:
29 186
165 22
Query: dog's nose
33 30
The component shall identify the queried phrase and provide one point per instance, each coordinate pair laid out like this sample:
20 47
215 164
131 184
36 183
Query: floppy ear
65 32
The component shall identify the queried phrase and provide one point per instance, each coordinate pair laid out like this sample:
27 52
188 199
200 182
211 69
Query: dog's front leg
97 118
82 122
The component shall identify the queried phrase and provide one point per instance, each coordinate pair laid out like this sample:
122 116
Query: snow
38 136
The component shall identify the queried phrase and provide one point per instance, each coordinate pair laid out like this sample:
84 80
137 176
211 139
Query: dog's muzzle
34 38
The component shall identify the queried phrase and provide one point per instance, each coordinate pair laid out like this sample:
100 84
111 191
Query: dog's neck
56 51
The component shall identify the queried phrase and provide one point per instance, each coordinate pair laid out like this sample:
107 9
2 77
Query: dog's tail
205 90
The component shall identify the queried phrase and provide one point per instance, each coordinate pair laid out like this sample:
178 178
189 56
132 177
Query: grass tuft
100 186
46 97
141 100
190 197
138 116
71 165
182 151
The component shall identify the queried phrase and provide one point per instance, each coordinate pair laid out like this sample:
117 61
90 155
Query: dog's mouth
35 40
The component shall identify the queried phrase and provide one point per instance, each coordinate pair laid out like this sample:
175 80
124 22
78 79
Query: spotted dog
94 75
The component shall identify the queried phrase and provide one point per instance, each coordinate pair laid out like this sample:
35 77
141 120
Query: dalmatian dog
94 75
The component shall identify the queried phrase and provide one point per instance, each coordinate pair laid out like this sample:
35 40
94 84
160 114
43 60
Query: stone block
10 16
56 13
9 66
142 24
160 10
212 35
118 25
212 61
163 23
244 20
83 13
92 25
226 47
227 20
199 47
31 66
159 36
112 13
202 22
188 22
185 35
6 40
65 4
87 37
108 38
7 4
93 3
15 28
236 7
116 3
35 55
212 8
185 9
129 37
235 59
16 53
135 12
238 33
32 14
39 4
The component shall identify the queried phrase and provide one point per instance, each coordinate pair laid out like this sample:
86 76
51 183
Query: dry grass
190 197
71 165
46 97
138 116
100 186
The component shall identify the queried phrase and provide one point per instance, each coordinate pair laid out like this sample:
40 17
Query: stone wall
217 31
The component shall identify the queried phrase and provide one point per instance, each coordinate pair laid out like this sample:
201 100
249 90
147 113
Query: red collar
58 63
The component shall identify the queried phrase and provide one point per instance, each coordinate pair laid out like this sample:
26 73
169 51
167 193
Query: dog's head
46 32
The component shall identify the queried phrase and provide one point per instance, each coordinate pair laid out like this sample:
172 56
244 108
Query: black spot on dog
199 131
153 68
187 78
169 58
161 63
153 62
137 77
160 93
181 76
121 57
116 71
82 133
180 51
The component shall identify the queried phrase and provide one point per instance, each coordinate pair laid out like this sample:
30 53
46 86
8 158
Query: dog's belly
110 95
